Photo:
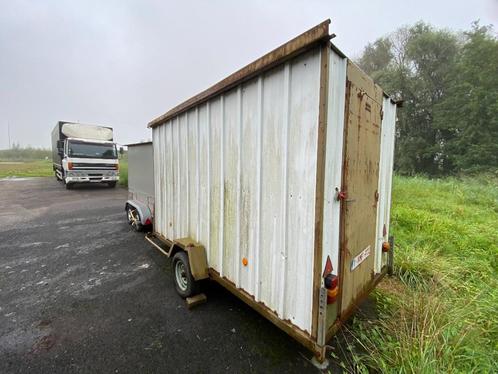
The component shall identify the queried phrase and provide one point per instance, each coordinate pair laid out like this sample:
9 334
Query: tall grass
440 311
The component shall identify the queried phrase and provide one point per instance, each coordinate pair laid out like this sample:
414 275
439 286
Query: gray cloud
123 63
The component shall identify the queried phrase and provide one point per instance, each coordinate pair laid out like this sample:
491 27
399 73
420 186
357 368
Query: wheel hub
181 276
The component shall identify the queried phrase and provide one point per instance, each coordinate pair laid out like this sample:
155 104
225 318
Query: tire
134 218
185 284
111 184
69 186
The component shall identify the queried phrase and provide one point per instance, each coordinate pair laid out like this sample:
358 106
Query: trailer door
360 183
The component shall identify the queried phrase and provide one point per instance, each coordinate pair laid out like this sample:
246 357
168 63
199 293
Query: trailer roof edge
313 36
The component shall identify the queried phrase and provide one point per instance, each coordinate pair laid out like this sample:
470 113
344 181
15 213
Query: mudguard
143 210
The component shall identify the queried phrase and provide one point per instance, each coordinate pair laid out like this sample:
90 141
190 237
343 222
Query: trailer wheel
185 283
134 218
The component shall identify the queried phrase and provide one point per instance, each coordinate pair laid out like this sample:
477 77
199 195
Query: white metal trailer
140 204
279 177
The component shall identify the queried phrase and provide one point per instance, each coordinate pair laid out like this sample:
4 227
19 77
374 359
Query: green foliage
123 171
438 314
16 153
448 81
469 112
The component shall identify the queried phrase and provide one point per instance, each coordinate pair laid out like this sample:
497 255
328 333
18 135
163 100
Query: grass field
439 313
43 168
39 168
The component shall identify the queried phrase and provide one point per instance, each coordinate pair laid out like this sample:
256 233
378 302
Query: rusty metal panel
385 179
238 175
360 183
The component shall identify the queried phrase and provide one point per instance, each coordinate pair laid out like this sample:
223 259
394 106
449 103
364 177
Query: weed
439 313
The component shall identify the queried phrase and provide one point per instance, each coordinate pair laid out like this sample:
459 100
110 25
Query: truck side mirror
60 147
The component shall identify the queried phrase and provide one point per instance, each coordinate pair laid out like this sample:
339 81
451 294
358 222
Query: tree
468 114
432 70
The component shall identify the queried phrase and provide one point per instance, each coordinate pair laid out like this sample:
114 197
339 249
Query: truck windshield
91 150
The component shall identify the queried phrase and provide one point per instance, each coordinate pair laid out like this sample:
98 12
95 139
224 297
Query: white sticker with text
360 258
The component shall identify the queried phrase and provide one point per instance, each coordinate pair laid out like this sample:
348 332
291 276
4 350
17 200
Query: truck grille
81 166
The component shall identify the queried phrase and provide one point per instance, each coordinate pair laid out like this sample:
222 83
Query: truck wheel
69 186
111 184
185 283
134 218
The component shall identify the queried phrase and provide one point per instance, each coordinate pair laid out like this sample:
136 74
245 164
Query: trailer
140 204
276 183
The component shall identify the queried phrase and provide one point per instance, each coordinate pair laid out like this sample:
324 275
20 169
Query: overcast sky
123 63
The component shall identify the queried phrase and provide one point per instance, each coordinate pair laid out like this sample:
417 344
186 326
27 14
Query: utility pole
8 131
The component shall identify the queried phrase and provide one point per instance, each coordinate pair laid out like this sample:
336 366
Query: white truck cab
89 157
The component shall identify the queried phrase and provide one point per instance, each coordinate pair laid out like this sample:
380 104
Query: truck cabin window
91 150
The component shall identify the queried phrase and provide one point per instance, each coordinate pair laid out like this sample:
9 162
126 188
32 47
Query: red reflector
147 221
328 267
331 281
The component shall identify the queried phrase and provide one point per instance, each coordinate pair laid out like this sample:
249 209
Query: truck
84 153
276 183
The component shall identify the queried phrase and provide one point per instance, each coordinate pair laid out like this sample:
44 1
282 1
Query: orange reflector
244 261
332 295
117 166
70 165
386 247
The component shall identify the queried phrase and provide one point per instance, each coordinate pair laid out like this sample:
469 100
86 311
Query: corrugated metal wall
333 168
385 178
140 178
333 160
238 173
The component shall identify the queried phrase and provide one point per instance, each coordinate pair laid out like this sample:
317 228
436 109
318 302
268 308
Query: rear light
147 222
331 281
70 165
332 295
332 285
386 247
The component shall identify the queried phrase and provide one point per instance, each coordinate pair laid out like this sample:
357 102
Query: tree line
448 82
18 153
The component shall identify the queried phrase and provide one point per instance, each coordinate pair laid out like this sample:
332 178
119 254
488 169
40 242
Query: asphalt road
80 292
